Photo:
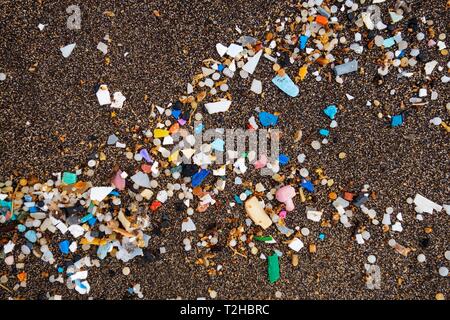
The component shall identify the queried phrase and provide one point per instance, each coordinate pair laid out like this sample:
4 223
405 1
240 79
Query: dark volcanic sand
396 162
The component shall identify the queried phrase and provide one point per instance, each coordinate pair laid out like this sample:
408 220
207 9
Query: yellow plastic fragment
95 242
303 71
160 133
174 156
445 126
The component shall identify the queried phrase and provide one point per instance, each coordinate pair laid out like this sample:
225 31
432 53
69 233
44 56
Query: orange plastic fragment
155 205
332 195
174 128
146 168
22 276
322 20
348 196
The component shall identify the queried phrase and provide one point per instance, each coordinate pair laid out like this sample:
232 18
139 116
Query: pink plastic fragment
285 195
118 181
261 163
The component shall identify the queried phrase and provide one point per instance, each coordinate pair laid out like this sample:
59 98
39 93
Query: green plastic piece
273 268
69 178
263 239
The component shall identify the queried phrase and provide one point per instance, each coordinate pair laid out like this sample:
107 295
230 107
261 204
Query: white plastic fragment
425 205
219 106
8 247
313 214
118 100
103 95
141 179
345 68
67 50
188 225
429 67
76 230
256 86
296 244
252 62
102 47
234 49
100 193
221 49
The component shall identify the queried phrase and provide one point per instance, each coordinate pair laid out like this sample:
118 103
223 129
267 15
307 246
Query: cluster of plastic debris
116 219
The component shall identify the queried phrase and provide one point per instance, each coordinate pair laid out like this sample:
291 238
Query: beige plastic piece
257 213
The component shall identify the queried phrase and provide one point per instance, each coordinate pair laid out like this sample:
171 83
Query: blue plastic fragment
286 85
220 67
345 68
28 198
92 221
145 155
102 250
64 246
307 185
324 132
401 54
198 129
80 284
389 42
322 236
60 269
86 218
267 119
198 178
237 199
303 41
21 228
396 120
114 193
176 113
31 236
33 209
283 159
248 192
218 144
331 111
323 12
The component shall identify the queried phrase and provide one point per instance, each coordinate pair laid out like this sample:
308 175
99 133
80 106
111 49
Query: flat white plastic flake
425 205
67 50
252 62
221 49
296 244
216 107
100 193
118 100
234 50
314 215
188 225
256 86
141 179
103 95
